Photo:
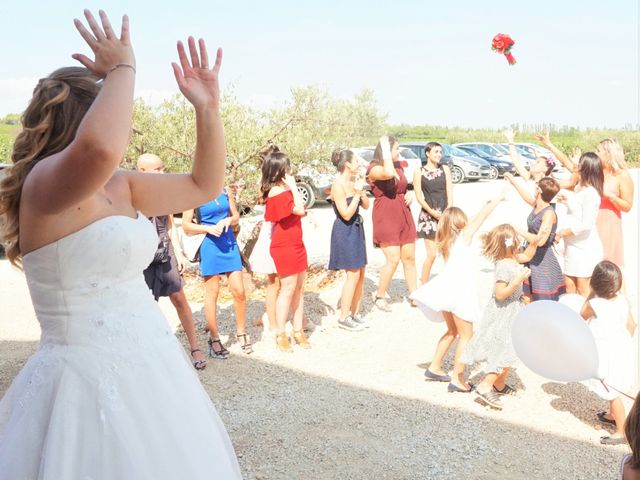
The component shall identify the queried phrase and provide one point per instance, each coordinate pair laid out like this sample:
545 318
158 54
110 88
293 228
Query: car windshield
407 153
366 154
474 151
501 148
458 152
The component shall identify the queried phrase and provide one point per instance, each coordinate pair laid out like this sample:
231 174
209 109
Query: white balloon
574 301
555 342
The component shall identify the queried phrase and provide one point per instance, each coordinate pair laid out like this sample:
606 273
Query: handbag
191 243
162 251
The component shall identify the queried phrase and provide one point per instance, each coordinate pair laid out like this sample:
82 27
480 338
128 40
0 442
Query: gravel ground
356 406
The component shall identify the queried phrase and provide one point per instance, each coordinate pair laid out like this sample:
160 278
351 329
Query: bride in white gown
109 394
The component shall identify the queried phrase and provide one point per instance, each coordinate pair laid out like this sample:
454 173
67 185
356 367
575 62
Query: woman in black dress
348 249
164 277
433 188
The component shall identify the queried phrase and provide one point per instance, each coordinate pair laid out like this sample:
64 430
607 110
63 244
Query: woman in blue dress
219 255
348 249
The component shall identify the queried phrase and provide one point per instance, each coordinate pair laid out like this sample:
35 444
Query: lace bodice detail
88 286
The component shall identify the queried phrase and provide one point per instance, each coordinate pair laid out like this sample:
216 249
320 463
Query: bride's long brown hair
49 125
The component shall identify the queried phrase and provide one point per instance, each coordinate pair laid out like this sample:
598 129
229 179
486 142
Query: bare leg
349 292
211 290
236 285
297 301
408 258
488 382
444 344
570 284
273 286
582 286
430 246
501 380
179 301
357 294
619 415
392 256
465 331
288 286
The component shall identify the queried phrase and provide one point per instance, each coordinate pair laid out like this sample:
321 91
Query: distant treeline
565 138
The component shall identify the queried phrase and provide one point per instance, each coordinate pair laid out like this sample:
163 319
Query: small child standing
612 327
492 341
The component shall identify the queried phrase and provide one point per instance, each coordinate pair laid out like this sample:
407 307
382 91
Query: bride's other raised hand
110 51
197 82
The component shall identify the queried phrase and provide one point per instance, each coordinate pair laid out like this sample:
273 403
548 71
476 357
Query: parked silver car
313 185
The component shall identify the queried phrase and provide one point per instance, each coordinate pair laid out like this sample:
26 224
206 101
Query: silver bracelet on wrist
118 65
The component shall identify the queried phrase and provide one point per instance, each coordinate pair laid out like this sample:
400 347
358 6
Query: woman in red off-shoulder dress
284 208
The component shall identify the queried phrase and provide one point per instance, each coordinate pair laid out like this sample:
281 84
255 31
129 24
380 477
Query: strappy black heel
197 364
246 343
221 354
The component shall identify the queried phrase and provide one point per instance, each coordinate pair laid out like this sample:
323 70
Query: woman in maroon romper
393 228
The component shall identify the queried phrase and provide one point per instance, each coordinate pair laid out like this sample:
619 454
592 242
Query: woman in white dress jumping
109 393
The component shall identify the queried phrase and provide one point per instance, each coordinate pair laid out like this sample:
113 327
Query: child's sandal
506 390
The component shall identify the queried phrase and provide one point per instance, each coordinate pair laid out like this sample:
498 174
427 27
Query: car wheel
457 175
494 173
306 192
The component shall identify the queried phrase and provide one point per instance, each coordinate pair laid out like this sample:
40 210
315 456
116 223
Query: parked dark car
499 166
462 165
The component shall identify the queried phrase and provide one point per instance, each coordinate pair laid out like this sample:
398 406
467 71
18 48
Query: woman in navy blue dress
348 248
219 255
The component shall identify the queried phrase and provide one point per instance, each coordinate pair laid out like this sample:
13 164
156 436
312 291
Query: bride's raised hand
197 82
109 50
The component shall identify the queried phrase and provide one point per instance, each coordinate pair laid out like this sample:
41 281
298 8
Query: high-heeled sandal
282 342
198 364
300 338
221 354
246 343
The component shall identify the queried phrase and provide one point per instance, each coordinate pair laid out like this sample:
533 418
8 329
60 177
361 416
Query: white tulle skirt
79 413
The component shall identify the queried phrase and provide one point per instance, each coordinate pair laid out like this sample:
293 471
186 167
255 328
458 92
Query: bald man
164 275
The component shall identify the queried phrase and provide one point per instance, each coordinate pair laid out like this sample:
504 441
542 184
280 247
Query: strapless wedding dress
109 394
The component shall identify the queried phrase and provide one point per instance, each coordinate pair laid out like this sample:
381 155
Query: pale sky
428 62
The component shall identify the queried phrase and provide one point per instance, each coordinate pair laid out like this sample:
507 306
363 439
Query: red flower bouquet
502 44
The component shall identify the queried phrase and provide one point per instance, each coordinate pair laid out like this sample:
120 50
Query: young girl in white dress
491 342
612 326
583 248
452 295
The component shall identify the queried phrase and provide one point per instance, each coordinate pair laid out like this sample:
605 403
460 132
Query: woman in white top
583 248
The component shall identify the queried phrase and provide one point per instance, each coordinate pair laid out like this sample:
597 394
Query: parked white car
412 160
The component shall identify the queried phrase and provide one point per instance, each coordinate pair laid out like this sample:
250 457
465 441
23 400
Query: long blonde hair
451 223
615 153
49 125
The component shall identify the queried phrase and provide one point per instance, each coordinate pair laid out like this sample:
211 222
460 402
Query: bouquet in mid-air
502 44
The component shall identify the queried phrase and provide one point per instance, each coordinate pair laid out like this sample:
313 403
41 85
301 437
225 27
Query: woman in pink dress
617 198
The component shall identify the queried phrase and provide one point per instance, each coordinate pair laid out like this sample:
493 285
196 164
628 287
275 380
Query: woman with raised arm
393 228
109 392
348 248
541 168
434 192
546 281
617 197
